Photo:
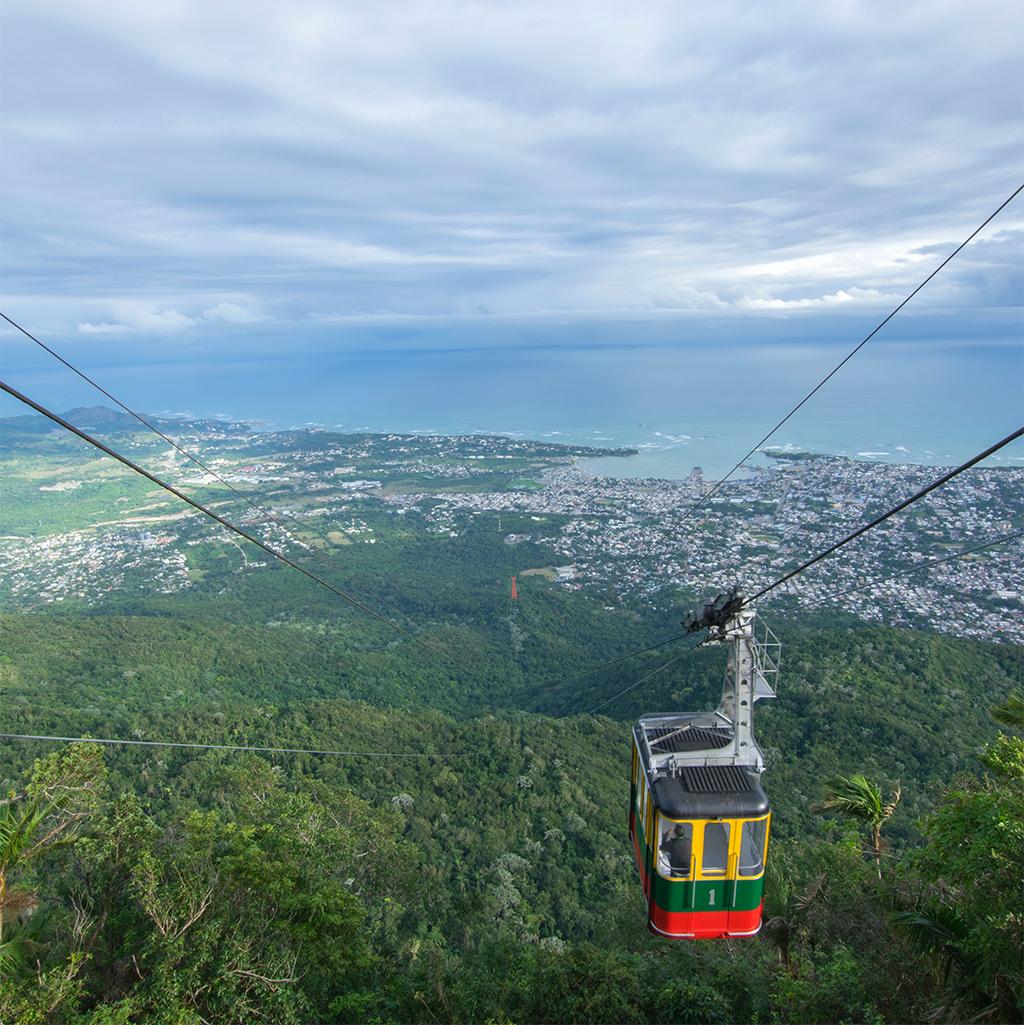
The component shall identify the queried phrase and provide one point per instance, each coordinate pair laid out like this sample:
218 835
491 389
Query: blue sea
681 406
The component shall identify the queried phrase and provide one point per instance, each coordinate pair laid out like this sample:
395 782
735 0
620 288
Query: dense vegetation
493 880
473 867
491 887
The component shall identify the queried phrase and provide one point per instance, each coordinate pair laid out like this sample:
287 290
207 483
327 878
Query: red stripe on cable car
705 924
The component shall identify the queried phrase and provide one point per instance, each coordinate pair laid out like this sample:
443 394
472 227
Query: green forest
458 852
472 864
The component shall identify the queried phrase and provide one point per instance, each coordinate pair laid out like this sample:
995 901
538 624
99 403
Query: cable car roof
710 792
692 773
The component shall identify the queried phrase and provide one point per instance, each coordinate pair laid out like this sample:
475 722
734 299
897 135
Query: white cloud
132 318
103 329
438 159
136 317
863 296
231 313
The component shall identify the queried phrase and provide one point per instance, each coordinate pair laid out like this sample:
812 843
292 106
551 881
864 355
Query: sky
183 176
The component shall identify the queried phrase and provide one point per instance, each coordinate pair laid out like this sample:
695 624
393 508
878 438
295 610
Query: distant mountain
110 421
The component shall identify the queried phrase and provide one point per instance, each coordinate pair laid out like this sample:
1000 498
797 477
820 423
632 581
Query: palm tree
1011 711
29 824
19 823
57 797
858 798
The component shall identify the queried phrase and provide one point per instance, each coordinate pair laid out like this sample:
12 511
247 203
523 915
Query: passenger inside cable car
676 850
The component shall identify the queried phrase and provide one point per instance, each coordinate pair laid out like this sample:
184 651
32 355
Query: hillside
472 865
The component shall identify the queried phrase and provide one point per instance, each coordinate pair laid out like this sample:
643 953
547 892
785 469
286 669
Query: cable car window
675 848
716 847
752 847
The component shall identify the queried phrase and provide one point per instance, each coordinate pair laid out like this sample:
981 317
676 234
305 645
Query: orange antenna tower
515 593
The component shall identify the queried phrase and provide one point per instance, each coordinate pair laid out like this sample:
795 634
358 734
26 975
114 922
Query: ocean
680 406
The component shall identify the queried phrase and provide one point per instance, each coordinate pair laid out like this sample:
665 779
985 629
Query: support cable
945 478
96 443
853 352
1006 538
148 424
650 675
625 658
919 568
113 742
938 483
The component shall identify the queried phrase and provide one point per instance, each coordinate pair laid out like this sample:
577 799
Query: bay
679 406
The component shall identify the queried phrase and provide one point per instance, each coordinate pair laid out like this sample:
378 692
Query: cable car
698 815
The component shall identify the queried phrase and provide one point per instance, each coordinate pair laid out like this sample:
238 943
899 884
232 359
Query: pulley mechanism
714 615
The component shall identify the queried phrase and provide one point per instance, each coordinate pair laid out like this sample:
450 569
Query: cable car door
747 889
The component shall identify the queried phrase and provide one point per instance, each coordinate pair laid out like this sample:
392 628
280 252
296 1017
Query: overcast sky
175 172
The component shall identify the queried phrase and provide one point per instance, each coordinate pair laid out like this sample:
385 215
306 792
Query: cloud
231 313
841 298
136 319
103 329
446 160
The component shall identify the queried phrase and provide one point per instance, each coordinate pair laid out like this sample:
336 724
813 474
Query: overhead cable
650 675
853 352
148 424
919 568
938 483
906 572
625 658
118 742
280 556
